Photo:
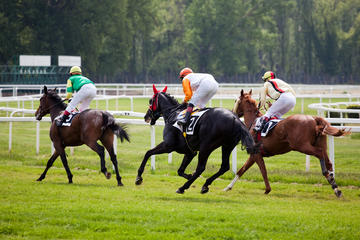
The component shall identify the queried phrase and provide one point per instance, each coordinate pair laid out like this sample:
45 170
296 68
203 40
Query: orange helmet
185 72
268 74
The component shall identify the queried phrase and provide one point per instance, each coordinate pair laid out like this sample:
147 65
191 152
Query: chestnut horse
87 128
218 127
302 133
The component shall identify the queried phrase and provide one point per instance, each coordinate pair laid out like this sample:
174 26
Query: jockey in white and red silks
281 92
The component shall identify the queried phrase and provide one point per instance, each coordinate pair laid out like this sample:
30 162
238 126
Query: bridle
256 113
52 106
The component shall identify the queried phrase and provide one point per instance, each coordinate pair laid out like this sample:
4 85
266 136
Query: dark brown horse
87 128
302 133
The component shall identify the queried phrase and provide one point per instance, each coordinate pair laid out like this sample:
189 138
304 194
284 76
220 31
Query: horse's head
49 99
154 111
245 104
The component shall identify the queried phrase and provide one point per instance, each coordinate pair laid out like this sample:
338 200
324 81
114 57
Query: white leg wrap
230 186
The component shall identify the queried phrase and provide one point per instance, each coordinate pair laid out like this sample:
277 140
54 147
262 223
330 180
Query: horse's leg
260 162
48 165
242 170
161 148
65 163
100 150
319 151
185 162
225 166
108 143
203 157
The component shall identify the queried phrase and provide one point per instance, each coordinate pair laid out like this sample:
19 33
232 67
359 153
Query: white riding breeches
205 91
282 105
84 96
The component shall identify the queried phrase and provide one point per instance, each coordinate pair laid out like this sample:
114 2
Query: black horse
217 127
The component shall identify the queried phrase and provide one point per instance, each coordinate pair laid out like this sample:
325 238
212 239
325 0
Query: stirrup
182 122
59 122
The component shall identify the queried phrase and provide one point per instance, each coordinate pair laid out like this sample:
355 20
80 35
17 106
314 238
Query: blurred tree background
145 41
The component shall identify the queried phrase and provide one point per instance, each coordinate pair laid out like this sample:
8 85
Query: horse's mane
55 97
172 99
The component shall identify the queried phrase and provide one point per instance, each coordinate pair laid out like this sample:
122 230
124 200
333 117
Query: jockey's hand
269 104
184 104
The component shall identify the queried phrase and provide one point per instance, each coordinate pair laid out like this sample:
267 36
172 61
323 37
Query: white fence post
332 151
234 160
37 137
307 163
10 135
170 158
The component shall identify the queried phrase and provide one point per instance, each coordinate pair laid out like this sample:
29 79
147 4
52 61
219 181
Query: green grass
94 208
301 205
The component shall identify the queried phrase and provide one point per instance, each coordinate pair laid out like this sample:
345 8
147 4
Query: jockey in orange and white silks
198 88
281 92
85 93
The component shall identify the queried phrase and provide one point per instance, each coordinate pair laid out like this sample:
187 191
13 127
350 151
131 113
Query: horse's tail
323 127
118 129
242 134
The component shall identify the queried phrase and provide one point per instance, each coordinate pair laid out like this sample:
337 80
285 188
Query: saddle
68 121
194 118
269 126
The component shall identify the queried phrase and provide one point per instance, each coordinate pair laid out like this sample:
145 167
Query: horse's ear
154 89
242 92
164 90
45 89
250 92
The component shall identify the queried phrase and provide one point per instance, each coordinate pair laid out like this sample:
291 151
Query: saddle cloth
269 126
194 118
68 121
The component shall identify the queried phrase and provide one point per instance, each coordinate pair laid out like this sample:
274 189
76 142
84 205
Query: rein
47 109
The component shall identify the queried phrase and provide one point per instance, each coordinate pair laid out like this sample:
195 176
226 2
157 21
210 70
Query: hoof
204 189
39 179
108 175
70 182
338 193
267 191
180 191
138 180
120 184
227 189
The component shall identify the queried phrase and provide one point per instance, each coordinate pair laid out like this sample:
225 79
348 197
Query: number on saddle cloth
68 121
195 116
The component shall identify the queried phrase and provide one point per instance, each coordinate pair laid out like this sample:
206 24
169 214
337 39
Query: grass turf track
301 205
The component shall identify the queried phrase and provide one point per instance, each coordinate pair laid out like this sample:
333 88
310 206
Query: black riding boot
186 118
263 121
61 120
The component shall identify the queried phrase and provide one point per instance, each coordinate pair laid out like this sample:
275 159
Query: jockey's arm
187 89
69 89
262 98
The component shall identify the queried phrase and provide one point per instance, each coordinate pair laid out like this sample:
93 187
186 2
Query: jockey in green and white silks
281 92
85 93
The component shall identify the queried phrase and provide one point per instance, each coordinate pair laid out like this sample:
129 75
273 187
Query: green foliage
150 41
